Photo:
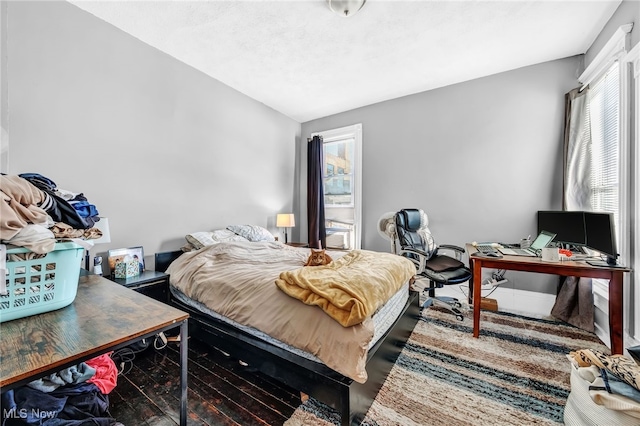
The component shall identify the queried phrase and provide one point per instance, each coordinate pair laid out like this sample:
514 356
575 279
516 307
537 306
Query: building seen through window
338 179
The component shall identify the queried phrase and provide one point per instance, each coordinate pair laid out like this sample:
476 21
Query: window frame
615 50
632 79
353 131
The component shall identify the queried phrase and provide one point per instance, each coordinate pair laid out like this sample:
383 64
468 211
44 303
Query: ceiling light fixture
345 8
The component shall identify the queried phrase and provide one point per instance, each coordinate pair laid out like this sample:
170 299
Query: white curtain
577 152
574 302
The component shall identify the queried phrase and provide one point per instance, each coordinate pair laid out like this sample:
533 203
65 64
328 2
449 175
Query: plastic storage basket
40 285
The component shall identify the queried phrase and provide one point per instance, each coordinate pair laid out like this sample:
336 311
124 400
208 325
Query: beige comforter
349 289
237 280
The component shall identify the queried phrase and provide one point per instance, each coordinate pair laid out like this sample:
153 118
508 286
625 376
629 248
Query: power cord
124 357
488 284
160 341
498 275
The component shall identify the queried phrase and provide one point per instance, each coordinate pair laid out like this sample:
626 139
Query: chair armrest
421 262
457 251
411 250
452 247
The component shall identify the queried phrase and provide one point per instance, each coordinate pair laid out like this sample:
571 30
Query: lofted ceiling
306 62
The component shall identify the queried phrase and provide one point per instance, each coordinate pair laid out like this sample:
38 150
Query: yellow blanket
351 288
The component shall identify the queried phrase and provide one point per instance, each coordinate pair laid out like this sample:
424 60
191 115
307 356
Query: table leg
470 283
616 312
184 338
477 285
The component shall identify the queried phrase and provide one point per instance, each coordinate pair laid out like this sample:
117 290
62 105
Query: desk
104 316
565 268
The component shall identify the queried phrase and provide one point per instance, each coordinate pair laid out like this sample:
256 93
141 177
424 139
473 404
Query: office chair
417 244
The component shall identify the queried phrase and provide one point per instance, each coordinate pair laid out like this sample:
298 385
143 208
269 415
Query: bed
347 385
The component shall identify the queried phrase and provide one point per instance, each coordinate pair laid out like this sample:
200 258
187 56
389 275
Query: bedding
237 281
252 232
349 289
382 320
198 240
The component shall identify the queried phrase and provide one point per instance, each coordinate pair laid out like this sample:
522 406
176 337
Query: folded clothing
620 366
582 410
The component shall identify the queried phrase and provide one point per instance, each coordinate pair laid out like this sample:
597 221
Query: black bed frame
350 398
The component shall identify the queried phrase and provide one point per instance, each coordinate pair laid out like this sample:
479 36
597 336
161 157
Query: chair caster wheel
457 305
459 317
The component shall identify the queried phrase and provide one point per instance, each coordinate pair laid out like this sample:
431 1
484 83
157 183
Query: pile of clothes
34 213
75 396
605 389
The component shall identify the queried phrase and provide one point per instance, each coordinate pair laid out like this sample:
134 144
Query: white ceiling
306 62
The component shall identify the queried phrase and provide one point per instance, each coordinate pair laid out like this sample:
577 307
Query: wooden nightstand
294 244
150 283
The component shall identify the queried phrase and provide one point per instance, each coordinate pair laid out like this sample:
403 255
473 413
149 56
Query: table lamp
285 220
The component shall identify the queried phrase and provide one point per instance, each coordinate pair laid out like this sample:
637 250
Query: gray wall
480 157
163 150
160 148
4 139
446 151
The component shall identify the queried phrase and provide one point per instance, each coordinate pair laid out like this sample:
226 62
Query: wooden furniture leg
616 307
477 285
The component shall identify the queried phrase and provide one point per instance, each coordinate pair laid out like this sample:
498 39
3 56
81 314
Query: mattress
383 319
236 283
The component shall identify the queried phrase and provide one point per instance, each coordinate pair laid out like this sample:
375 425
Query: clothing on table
106 376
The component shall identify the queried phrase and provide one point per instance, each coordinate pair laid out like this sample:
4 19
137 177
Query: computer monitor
601 234
569 226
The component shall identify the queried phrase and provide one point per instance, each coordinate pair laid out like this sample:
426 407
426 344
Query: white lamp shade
285 220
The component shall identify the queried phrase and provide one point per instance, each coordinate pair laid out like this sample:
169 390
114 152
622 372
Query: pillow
223 235
252 232
199 239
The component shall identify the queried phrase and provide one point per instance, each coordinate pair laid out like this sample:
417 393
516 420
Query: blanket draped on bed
350 288
236 282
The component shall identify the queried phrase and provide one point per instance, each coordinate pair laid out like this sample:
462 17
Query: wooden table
104 316
564 268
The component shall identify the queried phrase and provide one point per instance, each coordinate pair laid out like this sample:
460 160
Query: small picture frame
119 255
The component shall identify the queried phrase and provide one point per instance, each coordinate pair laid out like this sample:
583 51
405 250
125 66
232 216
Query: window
603 123
607 156
342 182
338 189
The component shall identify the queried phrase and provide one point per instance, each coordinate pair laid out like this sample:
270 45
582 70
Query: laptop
542 240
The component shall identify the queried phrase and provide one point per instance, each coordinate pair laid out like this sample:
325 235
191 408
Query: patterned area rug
516 373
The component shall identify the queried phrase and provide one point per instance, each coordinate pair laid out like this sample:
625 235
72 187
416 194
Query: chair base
449 303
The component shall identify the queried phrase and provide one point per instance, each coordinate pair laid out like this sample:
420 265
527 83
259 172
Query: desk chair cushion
443 263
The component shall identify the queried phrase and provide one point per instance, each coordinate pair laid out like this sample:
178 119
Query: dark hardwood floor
221 391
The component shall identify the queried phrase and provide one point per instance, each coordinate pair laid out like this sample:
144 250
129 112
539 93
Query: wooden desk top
564 267
103 317
536 264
